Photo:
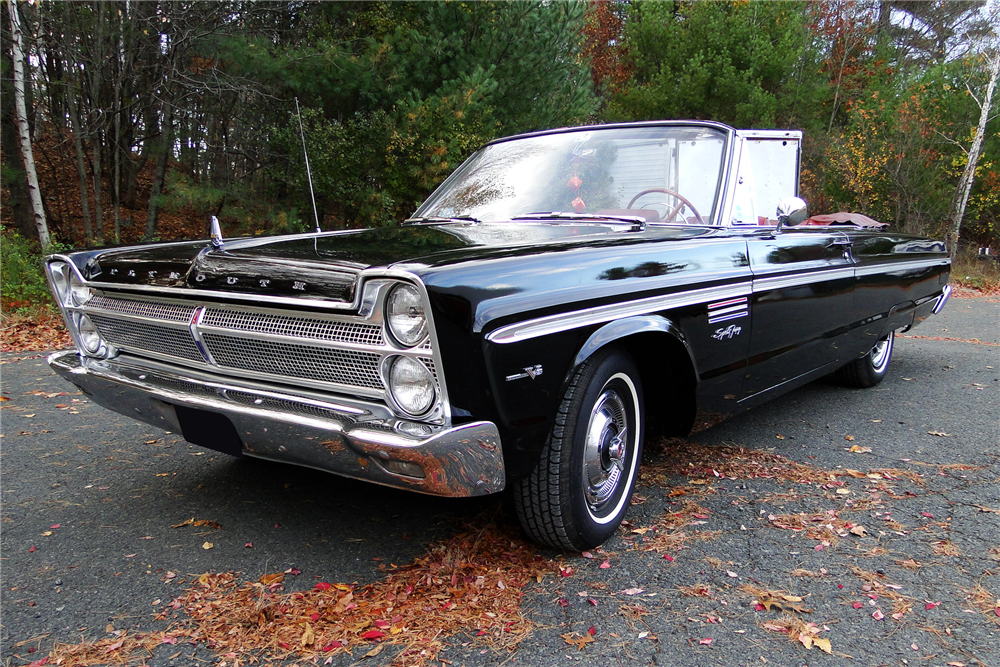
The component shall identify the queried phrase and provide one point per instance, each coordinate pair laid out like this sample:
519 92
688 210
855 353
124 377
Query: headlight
79 291
60 273
411 385
90 337
404 313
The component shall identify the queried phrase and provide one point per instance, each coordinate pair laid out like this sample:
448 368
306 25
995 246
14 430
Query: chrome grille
152 309
345 367
294 326
147 336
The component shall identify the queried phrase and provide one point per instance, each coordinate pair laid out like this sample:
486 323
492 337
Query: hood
327 265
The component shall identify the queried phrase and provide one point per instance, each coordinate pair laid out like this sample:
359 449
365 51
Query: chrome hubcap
606 448
880 353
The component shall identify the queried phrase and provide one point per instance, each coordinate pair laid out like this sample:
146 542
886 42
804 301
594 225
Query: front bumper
347 438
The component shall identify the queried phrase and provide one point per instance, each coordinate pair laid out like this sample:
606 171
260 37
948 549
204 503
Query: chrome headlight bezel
404 315
408 404
60 274
90 338
79 292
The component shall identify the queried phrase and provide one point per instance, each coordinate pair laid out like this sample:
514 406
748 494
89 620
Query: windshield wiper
637 221
438 218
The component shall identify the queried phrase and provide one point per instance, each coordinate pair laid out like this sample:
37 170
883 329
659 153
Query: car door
803 282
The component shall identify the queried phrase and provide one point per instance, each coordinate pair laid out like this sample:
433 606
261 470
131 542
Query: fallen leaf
373 634
308 636
632 591
806 639
591 631
878 615
823 644
927 515
605 565
207 545
857 449
587 554
939 434
706 641
732 574
849 437
931 605
322 586
270 579
577 640
183 523
859 531
32 550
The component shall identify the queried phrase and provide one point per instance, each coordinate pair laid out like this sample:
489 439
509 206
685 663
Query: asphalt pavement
862 521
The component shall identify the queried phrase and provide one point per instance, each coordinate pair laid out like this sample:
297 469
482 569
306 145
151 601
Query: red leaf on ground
373 634
758 607
591 631
668 557
332 645
32 550
39 663
706 641
927 514
381 625
566 571
323 586
857 605
563 602
605 565
931 605
294 571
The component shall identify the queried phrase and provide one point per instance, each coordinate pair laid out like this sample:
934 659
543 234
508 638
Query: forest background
146 118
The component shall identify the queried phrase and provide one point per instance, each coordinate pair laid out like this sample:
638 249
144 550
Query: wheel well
668 382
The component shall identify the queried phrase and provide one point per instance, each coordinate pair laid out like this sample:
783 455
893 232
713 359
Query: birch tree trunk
21 114
957 209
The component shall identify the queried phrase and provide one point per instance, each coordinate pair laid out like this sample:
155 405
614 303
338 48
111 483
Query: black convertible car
561 297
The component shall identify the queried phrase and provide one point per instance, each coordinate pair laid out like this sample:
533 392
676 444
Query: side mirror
791 211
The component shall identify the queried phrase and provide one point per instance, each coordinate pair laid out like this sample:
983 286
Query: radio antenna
312 195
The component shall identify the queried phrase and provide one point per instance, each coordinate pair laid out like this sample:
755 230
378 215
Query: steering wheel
671 214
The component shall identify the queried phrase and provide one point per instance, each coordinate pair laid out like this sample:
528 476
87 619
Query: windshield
665 174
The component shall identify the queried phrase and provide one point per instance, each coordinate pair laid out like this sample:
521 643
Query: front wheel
869 370
579 491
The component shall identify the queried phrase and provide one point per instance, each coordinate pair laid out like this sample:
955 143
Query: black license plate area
209 429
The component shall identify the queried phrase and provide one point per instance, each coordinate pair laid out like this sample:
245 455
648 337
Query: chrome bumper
347 438
941 300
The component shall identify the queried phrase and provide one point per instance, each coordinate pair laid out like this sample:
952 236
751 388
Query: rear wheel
869 370
579 491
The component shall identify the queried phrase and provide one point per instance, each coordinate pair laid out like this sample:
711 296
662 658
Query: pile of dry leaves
35 331
471 583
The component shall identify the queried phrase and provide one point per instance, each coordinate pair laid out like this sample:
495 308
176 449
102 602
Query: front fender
629 326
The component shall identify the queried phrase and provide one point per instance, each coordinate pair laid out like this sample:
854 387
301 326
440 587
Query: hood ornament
216 234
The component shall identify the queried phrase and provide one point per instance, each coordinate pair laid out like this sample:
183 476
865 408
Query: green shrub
22 279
